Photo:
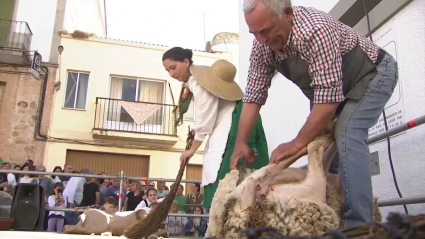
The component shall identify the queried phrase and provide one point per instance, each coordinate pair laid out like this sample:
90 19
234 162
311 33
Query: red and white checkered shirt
321 41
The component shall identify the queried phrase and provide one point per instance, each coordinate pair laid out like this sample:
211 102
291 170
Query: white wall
405 35
83 15
40 16
286 109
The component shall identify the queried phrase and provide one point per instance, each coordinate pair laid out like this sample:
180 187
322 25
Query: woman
134 197
56 179
196 226
28 178
152 198
195 197
218 105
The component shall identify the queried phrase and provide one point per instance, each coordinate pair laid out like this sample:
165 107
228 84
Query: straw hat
218 79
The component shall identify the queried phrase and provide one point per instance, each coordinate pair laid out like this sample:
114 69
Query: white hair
276 6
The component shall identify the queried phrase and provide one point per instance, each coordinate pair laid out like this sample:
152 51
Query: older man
342 74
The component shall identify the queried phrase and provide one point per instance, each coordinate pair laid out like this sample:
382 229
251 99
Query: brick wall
19 113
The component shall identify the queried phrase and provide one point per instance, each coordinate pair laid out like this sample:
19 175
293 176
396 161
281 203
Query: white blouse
213 118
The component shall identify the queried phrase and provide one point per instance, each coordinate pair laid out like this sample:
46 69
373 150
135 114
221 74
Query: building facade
26 97
115 110
396 26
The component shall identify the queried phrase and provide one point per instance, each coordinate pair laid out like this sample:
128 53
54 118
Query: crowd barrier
120 176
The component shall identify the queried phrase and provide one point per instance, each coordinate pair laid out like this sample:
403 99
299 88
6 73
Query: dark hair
151 189
57 167
30 168
199 207
178 54
58 185
100 180
112 200
180 185
198 187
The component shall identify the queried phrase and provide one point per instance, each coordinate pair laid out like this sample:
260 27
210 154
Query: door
193 172
109 163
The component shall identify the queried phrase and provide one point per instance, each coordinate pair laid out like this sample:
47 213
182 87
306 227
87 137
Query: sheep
298 202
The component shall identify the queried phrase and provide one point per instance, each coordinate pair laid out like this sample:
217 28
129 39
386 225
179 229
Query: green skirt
257 141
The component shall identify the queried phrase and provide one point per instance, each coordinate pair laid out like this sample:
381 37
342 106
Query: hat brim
222 89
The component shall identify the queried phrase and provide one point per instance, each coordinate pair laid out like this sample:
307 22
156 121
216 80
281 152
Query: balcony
15 42
139 122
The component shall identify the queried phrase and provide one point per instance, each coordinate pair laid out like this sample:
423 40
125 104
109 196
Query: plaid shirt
320 40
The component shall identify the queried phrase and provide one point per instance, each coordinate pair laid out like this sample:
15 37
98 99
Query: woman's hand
186 155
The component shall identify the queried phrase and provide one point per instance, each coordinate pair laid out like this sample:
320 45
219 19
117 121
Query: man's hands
241 151
283 151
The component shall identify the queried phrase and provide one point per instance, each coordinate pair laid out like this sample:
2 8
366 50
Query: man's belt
381 54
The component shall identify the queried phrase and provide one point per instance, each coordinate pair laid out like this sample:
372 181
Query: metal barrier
121 176
396 130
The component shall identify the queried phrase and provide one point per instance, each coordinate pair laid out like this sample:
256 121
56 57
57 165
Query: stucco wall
407 148
103 58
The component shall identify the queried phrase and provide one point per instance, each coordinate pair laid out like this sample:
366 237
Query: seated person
110 205
152 198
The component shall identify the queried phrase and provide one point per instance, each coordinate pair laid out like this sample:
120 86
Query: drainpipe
41 104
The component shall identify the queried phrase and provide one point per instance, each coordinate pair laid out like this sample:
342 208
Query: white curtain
152 92
83 83
114 107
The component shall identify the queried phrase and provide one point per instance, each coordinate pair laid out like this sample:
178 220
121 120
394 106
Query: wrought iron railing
135 116
15 35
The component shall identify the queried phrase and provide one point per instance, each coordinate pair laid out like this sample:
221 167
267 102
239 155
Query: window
146 91
76 90
190 114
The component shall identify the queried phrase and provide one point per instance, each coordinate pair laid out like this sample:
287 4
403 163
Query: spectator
17 176
196 226
175 225
3 177
73 193
29 162
56 218
67 168
114 190
56 179
91 193
152 198
162 192
195 197
45 181
109 205
27 178
180 198
134 196
102 187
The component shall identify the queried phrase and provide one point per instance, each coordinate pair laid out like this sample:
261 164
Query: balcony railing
135 116
15 35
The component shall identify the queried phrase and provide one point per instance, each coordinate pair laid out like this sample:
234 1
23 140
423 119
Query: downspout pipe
41 104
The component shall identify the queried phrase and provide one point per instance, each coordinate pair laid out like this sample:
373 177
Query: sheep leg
328 156
289 175
314 185
248 195
285 163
